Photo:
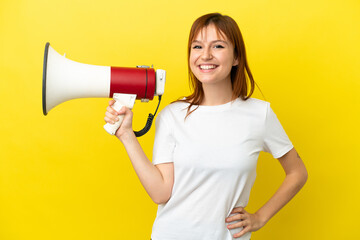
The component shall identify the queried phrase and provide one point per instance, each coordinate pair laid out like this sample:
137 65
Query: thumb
123 110
127 111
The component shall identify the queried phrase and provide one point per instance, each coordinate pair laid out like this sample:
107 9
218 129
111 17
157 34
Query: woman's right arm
157 180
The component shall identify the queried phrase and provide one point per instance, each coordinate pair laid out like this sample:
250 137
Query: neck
217 93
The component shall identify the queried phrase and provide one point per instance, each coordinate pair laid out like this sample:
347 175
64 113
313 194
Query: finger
242 232
111 102
109 120
123 110
111 117
238 209
236 225
112 111
236 217
126 111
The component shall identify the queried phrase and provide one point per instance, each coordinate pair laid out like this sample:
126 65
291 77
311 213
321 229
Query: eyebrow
197 41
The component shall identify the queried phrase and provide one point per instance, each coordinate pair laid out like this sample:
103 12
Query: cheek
192 61
192 57
229 60
193 69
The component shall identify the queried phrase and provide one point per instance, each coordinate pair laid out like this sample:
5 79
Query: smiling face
211 56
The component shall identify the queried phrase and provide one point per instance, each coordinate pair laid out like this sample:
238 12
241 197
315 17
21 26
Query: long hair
240 74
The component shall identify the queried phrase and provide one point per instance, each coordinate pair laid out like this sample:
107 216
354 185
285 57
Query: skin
296 176
209 48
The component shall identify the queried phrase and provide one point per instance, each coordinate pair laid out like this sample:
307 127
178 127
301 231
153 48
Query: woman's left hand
249 222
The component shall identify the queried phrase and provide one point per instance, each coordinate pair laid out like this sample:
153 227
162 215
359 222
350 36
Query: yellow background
63 177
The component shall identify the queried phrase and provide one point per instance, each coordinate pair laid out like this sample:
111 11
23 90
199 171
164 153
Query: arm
157 180
296 176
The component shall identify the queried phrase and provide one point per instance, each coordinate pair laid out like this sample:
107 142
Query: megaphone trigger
127 100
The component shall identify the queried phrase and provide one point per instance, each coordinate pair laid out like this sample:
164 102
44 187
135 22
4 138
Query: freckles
191 57
194 55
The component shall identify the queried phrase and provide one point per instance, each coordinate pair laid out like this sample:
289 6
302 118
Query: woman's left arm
296 176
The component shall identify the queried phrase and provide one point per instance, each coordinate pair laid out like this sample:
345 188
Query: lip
207 70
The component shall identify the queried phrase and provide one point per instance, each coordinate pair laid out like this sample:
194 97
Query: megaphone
64 79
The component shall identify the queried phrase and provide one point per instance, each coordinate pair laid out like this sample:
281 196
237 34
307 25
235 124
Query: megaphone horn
64 79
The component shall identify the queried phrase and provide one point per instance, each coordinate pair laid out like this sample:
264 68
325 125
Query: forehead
210 33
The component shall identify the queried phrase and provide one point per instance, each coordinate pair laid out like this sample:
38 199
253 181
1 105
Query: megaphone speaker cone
64 79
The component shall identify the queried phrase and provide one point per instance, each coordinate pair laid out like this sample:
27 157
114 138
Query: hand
112 116
249 222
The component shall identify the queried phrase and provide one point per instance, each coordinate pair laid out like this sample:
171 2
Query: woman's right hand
112 116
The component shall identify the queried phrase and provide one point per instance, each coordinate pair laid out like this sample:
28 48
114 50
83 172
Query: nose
206 55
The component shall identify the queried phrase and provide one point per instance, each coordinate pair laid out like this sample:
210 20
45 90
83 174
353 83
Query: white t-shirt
215 152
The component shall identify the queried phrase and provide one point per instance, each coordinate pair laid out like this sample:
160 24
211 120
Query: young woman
207 145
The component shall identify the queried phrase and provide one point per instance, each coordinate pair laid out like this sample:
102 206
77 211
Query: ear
236 62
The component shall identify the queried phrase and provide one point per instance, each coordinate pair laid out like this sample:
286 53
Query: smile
207 67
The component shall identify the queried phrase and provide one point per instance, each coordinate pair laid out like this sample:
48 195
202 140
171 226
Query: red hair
240 74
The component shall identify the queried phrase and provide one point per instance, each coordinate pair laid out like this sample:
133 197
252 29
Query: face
211 56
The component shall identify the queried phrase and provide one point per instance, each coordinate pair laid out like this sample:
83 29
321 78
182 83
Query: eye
218 46
196 47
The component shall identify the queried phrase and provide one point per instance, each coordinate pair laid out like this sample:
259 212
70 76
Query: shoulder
173 110
255 104
256 101
254 109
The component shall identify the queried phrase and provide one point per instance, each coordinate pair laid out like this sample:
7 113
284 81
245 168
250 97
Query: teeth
207 67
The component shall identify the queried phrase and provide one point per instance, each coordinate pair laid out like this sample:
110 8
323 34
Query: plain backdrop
63 177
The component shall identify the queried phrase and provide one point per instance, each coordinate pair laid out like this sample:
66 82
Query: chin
209 81
212 80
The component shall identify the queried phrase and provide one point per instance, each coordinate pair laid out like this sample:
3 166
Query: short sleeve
275 138
164 143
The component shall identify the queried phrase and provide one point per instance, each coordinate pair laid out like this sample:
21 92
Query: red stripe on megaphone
139 81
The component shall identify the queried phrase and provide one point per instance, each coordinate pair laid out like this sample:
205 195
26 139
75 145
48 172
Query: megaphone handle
121 100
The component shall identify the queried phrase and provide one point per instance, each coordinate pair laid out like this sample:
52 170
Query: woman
207 145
